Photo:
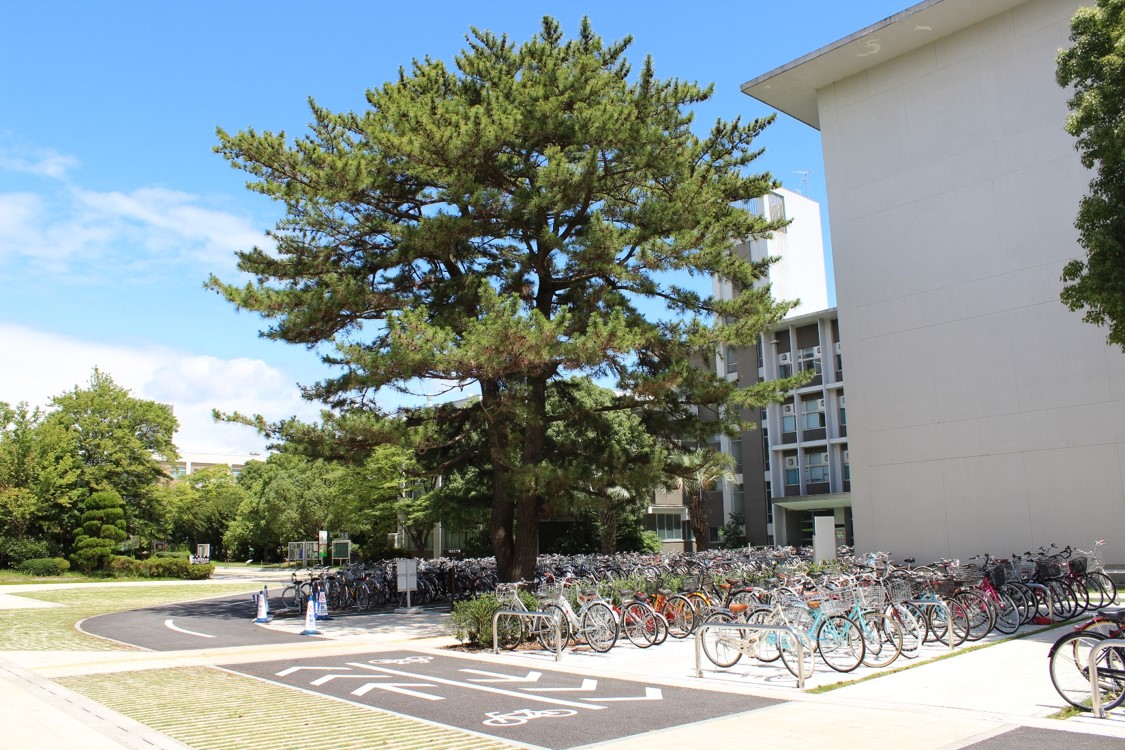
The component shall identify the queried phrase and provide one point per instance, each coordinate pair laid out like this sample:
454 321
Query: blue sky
114 208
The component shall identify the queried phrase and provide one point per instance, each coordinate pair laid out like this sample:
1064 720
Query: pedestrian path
985 697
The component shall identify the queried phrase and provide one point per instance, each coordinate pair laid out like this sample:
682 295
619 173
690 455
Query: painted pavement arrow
498 677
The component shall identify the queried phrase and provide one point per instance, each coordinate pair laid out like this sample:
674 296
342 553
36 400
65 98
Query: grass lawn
52 629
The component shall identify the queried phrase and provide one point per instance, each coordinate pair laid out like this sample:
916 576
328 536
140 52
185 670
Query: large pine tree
509 222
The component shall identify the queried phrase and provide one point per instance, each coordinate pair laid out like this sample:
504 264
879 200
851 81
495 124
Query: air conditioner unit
787 408
783 358
837 347
841 401
816 351
820 404
845 457
790 462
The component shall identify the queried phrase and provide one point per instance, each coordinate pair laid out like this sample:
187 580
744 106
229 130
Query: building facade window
812 414
792 472
669 527
809 359
736 454
847 468
816 468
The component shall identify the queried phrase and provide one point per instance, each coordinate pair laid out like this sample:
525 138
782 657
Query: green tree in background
199 508
524 216
120 442
701 471
39 477
284 499
102 532
1095 67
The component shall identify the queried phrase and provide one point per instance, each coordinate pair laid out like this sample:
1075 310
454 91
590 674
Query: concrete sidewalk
976 696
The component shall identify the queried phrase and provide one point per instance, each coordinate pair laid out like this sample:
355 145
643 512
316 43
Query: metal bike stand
1050 600
1095 652
944 606
703 627
553 616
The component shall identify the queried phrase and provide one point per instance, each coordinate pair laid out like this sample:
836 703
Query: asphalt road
549 709
212 623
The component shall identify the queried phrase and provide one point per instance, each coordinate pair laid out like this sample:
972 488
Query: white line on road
168 624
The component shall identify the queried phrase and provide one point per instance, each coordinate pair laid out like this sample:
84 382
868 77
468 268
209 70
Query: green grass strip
52 629
210 709
948 655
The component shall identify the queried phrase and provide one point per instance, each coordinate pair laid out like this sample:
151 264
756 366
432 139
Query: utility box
824 538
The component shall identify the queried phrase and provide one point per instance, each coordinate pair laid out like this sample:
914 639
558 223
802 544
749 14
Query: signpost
407 581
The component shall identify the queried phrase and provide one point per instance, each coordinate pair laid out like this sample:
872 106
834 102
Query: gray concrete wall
982 415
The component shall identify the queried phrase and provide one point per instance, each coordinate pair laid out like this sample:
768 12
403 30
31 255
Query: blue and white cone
322 606
310 619
263 607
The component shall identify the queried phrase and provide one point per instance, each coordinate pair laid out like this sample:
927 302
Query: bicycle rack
553 616
1095 652
944 606
703 627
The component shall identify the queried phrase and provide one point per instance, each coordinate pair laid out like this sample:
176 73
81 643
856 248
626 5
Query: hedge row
44 566
159 567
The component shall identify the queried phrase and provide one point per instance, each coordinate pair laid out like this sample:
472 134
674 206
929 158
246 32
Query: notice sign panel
407 574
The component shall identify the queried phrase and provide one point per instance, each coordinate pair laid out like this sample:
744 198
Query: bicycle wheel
661 628
599 627
798 651
680 615
1070 670
981 618
840 643
722 645
1024 599
1107 586
1095 593
882 639
509 630
289 597
1007 614
637 623
1065 600
939 625
914 630
545 629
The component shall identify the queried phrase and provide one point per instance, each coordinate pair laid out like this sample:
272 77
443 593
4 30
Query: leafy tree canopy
523 216
120 441
1095 66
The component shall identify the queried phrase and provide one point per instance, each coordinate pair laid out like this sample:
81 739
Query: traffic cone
310 619
263 607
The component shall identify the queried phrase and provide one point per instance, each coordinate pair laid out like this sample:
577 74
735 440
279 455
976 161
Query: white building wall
983 415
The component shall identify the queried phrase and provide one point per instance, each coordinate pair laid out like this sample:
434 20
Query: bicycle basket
898 589
1048 569
997 576
835 601
1077 566
872 597
1026 569
967 574
946 588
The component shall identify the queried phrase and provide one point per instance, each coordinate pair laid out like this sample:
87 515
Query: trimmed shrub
471 619
126 567
44 566
14 551
168 567
200 572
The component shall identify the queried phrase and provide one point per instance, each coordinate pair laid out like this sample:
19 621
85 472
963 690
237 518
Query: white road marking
588 685
498 677
168 624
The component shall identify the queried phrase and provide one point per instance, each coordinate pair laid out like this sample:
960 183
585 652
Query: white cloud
50 364
77 234
43 162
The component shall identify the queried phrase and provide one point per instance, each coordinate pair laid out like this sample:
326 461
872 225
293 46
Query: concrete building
191 462
797 274
984 416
